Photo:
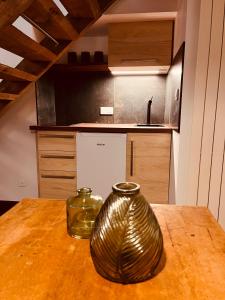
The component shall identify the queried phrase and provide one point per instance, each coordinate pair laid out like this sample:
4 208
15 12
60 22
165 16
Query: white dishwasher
101 161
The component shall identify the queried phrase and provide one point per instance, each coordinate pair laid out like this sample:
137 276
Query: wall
190 62
179 38
80 96
91 44
201 164
18 176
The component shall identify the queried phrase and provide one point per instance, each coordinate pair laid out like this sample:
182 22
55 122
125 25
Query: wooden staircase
59 31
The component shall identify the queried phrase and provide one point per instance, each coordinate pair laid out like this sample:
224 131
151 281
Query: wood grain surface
39 261
150 164
140 43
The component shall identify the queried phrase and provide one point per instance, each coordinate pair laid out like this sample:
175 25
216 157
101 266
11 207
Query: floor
6 205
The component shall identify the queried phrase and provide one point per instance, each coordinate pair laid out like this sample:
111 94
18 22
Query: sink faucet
149 111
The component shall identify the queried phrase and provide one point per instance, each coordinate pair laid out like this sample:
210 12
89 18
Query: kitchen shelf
79 68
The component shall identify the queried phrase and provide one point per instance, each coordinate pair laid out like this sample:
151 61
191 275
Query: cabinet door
148 160
140 43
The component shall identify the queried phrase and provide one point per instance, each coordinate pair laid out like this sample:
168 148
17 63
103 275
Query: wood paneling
140 44
47 15
9 73
82 9
17 42
148 160
11 9
7 96
40 261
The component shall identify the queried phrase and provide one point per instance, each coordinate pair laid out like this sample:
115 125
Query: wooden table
38 260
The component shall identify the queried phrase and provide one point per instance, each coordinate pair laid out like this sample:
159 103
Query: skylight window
61 7
10 59
28 29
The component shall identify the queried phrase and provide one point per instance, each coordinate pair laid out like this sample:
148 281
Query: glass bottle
81 213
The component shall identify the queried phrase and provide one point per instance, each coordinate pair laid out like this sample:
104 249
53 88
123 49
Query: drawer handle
57 156
58 176
131 158
56 136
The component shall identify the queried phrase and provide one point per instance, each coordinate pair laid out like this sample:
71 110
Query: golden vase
126 242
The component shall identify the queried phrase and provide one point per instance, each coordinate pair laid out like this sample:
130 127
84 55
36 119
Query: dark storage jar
72 58
98 57
85 58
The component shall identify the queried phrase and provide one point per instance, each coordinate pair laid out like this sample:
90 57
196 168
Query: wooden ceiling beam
11 9
9 73
7 96
18 43
46 15
94 7
82 9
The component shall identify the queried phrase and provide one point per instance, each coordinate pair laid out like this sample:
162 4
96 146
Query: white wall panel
211 101
222 197
218 142
199 96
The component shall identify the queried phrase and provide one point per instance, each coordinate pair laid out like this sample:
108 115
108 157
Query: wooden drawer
61 141
57 162
56 184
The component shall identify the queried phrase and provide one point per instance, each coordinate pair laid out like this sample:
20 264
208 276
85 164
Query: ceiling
133 11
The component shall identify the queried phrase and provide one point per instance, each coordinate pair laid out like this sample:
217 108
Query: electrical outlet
21 183
106 110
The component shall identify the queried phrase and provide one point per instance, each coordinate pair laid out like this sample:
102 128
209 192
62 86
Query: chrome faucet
149 111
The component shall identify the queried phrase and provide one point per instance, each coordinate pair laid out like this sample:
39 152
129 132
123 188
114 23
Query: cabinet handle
57 156
58 176
56 136
131 158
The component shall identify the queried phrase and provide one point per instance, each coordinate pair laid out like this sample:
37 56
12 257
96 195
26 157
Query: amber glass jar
82 211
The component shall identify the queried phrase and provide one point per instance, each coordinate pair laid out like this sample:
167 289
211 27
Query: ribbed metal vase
126 242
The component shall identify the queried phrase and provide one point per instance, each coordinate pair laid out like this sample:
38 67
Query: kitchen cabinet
140 44
148 161
56 163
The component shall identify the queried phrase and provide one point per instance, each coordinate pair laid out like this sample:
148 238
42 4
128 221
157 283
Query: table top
38 260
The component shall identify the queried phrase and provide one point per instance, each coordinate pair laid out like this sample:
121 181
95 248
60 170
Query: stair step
9 73
13 40
7 96
48 17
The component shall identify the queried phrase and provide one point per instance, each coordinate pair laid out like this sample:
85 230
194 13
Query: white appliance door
101 161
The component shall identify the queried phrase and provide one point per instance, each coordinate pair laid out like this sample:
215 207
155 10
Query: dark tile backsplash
78 98
131 96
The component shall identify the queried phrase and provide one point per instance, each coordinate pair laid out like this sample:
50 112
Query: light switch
106 110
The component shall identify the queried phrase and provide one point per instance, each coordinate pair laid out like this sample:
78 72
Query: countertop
97 127
39 261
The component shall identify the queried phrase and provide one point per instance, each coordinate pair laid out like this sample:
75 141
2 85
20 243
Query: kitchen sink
151 125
